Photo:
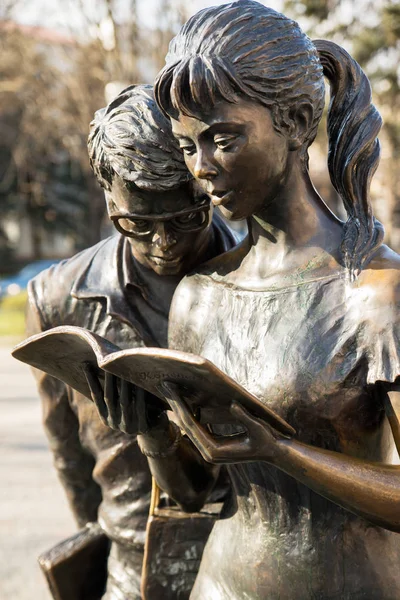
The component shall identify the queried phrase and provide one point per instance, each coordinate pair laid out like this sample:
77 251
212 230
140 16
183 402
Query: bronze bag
174 546
76 568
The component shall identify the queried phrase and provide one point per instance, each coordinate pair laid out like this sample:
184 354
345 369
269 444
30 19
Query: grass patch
12 315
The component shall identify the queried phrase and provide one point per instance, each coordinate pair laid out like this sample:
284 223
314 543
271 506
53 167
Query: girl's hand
260 442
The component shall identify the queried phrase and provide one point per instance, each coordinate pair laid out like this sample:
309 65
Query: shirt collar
112 268
107 275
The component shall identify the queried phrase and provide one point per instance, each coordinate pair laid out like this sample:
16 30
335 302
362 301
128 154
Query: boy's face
169 231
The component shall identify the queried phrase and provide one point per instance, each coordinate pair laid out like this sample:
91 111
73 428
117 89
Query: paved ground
33 512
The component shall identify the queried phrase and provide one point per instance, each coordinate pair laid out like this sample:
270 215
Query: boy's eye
138 223
186 218
190 220
134 225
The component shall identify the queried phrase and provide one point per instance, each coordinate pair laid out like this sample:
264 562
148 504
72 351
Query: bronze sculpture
121 288
303 314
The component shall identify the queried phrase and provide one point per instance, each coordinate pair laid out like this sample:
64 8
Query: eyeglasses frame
202 208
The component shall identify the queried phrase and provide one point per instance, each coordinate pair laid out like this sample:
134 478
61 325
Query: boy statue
121 289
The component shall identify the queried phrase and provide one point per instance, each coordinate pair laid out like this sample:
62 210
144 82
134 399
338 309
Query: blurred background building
62 60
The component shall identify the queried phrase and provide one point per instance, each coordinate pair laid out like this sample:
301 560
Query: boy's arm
174 461
73 463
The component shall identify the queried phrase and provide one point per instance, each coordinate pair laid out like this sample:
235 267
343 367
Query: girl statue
303 314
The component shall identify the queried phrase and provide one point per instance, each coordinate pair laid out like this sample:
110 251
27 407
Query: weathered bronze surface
77 357
76 568
121 289
304 314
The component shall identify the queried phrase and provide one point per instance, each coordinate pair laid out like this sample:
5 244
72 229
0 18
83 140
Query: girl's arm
371 490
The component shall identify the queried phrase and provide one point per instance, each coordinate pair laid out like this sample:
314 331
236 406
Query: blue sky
62 14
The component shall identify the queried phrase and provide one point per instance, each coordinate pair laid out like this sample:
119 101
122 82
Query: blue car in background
11 286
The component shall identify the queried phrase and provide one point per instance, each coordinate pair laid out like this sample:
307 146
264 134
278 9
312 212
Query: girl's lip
221 200
162 260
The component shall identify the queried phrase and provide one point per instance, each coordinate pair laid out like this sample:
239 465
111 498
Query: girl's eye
224 142
188 149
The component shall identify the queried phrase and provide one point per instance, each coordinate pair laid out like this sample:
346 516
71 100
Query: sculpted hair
354 151
132 138
245 49
237 49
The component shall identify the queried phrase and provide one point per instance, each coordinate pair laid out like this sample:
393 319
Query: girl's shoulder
222 266
377 291
380 279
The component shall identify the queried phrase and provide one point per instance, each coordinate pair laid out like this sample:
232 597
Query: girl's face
236 154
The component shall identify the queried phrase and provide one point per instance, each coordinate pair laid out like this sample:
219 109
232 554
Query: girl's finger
247 419
243 415
198 435
224 450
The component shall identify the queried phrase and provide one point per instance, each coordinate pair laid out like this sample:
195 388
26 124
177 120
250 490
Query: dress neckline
274 289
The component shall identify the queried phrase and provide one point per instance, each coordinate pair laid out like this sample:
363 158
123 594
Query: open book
64 352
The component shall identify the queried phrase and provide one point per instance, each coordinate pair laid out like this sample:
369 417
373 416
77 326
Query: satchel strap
154 503
155 497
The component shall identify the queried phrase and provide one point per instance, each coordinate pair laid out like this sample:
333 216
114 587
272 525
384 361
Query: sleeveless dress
312 352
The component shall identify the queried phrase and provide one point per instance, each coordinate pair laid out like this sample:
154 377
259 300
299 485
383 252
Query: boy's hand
123 406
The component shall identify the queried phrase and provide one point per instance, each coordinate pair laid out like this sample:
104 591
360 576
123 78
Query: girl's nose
203 168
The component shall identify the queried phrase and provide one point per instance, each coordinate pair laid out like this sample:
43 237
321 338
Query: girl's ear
300 122
111 206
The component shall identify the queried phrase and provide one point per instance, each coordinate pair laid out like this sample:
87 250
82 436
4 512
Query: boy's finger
111 398
96 391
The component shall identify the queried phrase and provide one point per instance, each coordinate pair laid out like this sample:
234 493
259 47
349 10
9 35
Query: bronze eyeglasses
137 226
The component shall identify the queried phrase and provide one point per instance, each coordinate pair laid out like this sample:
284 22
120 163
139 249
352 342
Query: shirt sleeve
73 462
382 335
384 360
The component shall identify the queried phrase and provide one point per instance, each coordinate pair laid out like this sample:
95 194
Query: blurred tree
370 31
51 85
44 179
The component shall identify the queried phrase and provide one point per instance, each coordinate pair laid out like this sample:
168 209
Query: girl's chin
232 214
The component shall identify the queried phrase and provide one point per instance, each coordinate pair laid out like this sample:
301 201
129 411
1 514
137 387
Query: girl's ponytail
353 126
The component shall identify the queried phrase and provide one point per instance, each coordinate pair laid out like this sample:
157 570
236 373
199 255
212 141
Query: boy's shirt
105 475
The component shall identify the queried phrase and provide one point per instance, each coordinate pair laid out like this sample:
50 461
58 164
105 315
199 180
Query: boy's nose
163 237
